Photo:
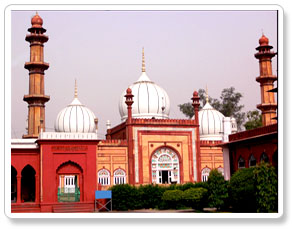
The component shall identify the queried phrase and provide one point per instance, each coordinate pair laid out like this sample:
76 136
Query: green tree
242 191
217 190
266 183
228 105
254 120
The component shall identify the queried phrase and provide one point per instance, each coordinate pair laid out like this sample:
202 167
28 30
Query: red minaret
196 105
36 98
129 101
266 80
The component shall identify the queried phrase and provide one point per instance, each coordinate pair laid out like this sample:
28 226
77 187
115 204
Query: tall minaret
36 98
266 79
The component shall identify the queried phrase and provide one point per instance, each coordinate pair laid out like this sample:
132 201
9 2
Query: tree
217 190
266 183
228 105
242 190
254 120
187 109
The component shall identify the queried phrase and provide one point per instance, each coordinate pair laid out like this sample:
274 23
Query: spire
207 96
143 60
75 91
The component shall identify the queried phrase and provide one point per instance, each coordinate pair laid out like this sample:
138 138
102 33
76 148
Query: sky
102 50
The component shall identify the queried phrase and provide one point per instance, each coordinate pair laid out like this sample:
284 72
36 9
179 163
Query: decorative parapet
254 133
209 143
181 122
113 142
69 136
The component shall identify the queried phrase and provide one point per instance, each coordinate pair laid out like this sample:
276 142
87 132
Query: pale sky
184 51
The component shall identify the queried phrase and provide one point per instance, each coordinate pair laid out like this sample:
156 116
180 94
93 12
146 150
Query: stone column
18 199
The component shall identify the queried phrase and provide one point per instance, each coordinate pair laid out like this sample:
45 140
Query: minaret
36 98
266 79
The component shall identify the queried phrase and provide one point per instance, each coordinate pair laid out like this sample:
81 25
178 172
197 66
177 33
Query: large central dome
150 100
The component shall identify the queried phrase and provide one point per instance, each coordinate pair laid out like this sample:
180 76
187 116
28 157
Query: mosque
60 171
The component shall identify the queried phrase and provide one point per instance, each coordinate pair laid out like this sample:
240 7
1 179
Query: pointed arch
252 161
241 162
28 184
119 176
264 158
69 167
205 173
104 177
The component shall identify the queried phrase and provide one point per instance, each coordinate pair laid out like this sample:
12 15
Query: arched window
241 163
205 174
119 176
221 170
265 158
104 177
252 161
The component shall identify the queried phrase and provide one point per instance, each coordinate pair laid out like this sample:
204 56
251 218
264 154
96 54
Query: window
104 177
221 170
265 158
119 176
241 163
252 161
205 174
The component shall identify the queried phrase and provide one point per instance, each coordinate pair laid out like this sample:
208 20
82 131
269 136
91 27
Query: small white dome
150 100
211 123
75 118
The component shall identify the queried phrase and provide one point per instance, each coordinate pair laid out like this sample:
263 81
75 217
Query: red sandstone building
59 171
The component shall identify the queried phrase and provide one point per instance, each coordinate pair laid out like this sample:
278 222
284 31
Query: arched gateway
165 166
70 182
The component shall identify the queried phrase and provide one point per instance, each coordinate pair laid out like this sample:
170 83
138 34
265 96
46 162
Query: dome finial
207 96
75 91
143 60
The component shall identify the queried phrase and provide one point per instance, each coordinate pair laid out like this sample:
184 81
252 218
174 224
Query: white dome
150 100
211 123
75 118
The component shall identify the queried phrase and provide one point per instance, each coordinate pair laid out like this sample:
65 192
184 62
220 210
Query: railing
69 194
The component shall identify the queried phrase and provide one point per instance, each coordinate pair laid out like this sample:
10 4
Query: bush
125 197
195 197
173 198
242 191
217 190
151 196
266 184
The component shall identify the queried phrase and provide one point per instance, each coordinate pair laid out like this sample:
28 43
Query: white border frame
174 7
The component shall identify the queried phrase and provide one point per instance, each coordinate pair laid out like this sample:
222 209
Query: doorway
164 177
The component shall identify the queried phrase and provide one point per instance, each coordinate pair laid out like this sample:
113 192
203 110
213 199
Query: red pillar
81 188
37 183
129 102
18 199
196 104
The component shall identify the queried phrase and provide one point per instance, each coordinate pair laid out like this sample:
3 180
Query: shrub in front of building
217 190
151 196
242 192
173 198
125 197
266 185
195 198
